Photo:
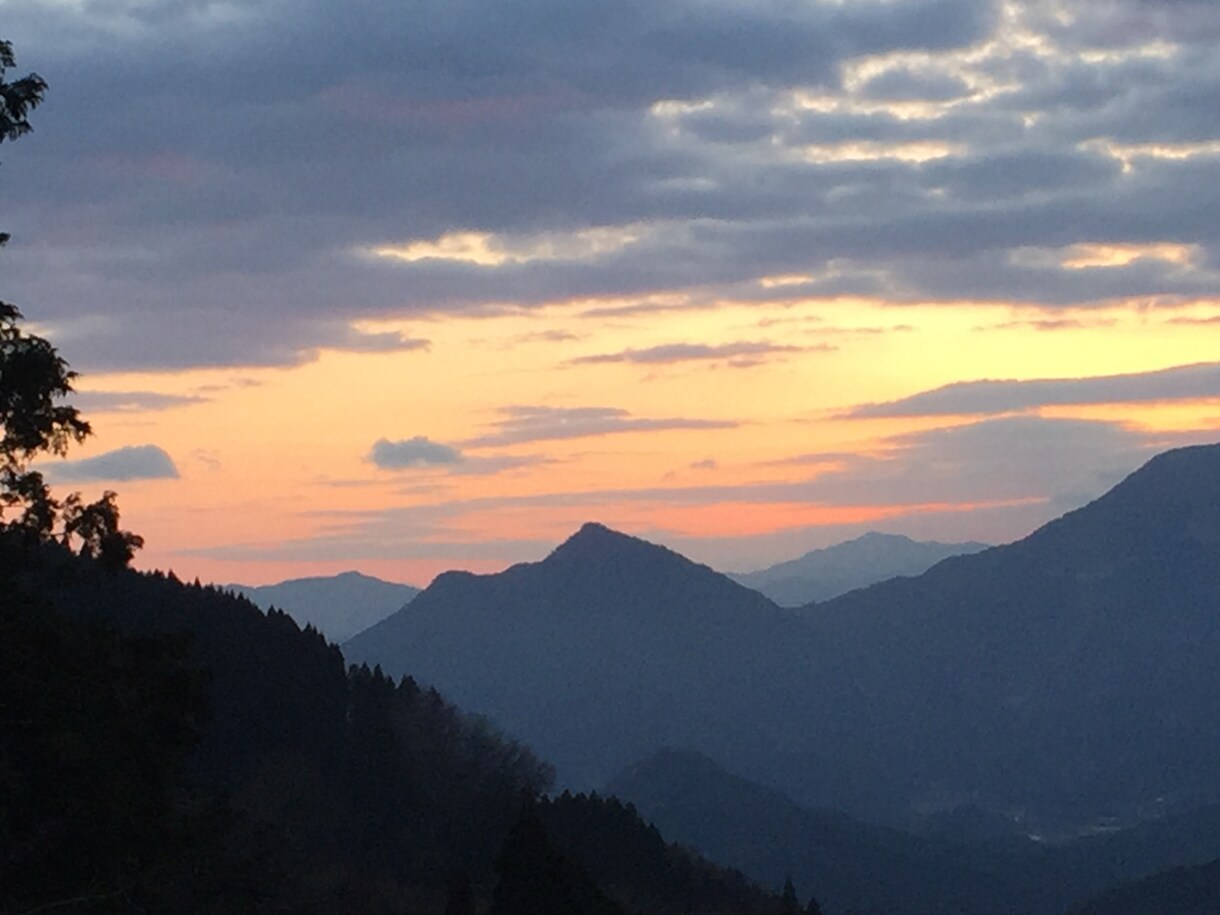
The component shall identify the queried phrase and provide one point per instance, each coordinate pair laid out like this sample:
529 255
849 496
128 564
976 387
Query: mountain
602 652
852 866
338 606
822 574
1060 682
1072 671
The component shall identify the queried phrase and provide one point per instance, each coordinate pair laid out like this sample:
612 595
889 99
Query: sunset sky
408 286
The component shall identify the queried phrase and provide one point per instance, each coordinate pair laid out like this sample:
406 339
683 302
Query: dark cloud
539 423
203 187
907 84
692 352
412 452
137 462
1187 382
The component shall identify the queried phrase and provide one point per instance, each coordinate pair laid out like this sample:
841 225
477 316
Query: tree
34 380
96 525
788 901
16 100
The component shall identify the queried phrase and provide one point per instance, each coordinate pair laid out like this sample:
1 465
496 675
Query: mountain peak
596 540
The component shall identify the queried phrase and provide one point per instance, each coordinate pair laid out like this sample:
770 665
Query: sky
410 286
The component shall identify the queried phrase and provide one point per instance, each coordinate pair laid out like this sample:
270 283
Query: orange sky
280 455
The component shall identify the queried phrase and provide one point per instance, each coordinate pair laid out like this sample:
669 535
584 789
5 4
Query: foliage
17 98
96 525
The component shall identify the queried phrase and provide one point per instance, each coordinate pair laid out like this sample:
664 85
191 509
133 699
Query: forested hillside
205 756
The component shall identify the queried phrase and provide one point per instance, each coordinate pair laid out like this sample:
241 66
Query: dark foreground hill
168 747
338 606
822 574
1060 680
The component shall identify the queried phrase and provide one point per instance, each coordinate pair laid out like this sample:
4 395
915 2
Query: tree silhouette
34 380
789 905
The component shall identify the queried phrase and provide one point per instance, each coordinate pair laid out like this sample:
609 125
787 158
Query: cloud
412 452
131 401
669 353
137 462
1186 382
355 341
539 423
908 150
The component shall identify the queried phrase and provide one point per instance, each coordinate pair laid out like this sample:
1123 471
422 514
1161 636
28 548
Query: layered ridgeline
338 606
853 866
170 747
1055 681
826 573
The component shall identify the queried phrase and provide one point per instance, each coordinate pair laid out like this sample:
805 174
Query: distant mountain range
851 866
822 574
1056 681
338 606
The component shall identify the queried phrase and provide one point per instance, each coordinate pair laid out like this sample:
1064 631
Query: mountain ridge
826 573
1038 676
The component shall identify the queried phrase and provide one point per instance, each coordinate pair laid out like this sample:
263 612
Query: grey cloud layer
197 184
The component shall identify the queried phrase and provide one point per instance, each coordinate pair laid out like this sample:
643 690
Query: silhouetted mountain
605 650
822 574
1055 681
1071 671
338 606
852 866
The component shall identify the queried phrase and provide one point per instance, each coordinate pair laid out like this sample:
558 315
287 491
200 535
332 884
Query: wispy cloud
131 401
987 396
540 423
742 352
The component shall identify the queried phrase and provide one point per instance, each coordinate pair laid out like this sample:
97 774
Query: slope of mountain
822 574
605 650
1070 671
852 866
338 606
1057 681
